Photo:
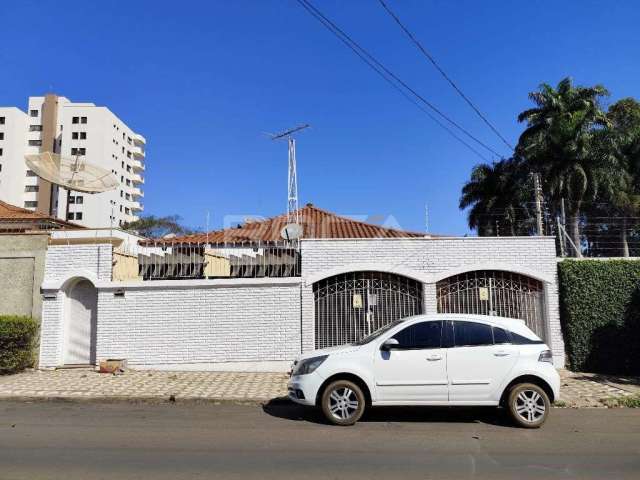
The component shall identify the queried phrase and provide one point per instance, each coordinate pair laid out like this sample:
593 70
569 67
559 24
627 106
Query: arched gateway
495 292
80 323
351 305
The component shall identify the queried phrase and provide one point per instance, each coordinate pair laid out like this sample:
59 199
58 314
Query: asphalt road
177 441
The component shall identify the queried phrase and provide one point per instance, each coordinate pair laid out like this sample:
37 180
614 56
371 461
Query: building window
31 188
31 173
120 207
122 164
30 204
121 179
127 196
1 120
33 113
35 143
35 128
1 151
128 168
83 135
75 120
74 136
1 135
79 199
79 151
128 182
128 154
70 216
78 215
72 199
83 119
0 167
121 192
127 211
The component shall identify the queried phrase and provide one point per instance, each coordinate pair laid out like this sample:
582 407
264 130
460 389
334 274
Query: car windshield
378 332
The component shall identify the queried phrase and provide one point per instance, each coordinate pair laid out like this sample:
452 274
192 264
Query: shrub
17 342
600 314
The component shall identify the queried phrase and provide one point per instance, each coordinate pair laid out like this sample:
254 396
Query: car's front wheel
343 402
528 405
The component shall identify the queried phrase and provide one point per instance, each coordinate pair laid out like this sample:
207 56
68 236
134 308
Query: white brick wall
69 260
428 259
63 263
239 320
174 325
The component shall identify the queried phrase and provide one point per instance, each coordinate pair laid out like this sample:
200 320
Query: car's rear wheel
528 405
343 402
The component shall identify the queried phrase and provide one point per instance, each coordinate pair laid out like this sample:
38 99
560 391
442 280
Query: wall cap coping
429 238
58 284
428 277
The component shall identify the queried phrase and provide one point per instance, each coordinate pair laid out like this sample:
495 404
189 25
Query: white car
443 359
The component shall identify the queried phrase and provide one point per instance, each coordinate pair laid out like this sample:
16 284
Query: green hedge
600 313
17 343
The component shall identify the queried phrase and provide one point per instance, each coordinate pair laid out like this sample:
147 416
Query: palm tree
558 143
620 145
496 194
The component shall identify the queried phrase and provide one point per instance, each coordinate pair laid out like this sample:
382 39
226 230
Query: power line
388 75
443 73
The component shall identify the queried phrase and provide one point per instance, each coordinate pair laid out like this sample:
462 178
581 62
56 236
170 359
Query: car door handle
434 358
501 353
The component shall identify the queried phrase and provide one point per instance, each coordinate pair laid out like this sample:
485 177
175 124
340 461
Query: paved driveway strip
578 390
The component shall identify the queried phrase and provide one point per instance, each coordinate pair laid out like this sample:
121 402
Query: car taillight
545 356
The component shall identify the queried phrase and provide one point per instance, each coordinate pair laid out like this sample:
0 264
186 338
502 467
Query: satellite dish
72 173
291 231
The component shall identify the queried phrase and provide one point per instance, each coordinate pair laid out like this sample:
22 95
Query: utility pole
292 175
538 194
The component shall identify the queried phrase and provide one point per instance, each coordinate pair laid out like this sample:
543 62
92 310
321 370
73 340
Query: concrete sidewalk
578 389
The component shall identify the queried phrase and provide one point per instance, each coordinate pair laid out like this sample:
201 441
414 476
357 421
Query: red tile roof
316 223
11 214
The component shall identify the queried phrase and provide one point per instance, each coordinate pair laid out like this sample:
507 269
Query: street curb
151 400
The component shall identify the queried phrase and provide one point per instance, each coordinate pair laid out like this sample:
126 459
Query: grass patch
630 401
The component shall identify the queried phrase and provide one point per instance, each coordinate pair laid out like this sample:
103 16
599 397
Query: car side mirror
389 344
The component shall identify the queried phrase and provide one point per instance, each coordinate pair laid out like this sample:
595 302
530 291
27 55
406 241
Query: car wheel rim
530 406
343 403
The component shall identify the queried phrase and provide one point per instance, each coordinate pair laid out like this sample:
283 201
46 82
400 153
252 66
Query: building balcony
139 139
137 178
137 152
137 165
136 192
136 206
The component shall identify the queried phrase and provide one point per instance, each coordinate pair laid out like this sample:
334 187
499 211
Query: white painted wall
206 324
174 324
430 260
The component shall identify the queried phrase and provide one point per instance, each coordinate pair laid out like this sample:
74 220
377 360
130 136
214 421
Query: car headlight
309 365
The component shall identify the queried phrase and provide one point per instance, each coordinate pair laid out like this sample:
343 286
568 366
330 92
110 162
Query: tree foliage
156 227
588 160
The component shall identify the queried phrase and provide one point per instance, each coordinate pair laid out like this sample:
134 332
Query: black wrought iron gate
495 292
350 306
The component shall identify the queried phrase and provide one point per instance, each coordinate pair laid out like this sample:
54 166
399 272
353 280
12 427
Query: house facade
253 312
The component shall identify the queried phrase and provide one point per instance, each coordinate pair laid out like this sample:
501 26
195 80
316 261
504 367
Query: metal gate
495 292
350 306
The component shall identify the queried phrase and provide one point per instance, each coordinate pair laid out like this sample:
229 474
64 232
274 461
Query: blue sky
203 81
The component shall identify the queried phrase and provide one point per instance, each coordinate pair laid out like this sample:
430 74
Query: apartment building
56 124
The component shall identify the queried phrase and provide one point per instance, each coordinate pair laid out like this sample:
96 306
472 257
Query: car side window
471 334
420 336
500 336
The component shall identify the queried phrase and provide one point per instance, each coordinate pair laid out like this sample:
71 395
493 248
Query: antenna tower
292 176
